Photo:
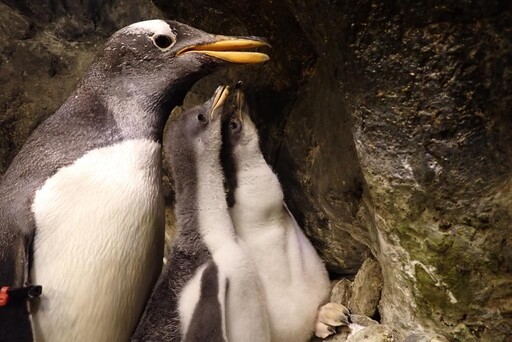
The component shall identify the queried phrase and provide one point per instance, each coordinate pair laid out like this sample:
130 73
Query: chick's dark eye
163 41
201 118
233 125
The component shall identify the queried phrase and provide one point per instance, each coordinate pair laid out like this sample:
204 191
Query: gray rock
362 320
373 333
422 337
340 336
366 289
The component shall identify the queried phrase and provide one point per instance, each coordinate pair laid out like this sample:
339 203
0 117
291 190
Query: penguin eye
235 126
162 41
201 117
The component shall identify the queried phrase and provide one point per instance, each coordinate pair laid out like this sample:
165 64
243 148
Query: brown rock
373 333
340 336
362 320
341 292
366 289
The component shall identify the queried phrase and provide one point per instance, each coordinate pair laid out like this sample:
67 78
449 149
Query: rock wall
388 123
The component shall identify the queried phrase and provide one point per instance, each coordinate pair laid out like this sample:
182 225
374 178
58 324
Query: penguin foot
329 316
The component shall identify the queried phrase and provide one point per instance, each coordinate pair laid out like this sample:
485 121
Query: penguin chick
209 290
295 281
81 205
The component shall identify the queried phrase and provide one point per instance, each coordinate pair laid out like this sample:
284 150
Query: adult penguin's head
157 61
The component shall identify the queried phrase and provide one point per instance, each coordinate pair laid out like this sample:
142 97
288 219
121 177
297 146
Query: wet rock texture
388 123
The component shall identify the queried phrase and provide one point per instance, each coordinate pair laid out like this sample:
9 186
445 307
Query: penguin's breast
99 243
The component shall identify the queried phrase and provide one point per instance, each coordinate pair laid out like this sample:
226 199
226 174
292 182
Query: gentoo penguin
295 281
209 290
81 207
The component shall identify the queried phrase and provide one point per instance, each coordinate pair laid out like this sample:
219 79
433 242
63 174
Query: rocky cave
388 123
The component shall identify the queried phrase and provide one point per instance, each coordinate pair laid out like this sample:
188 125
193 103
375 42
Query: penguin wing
14 254
207 321
305 258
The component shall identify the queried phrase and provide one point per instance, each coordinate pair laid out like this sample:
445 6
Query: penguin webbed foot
330 316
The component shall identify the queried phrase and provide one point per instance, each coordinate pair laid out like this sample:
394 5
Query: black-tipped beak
219 97
229 49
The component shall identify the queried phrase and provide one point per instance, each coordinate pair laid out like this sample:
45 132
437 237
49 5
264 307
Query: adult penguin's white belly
100 223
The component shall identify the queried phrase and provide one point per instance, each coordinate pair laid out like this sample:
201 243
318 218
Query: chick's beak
219 97
229 49
239 101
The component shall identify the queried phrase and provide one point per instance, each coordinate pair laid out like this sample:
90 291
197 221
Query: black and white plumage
294 278
81 206
209 290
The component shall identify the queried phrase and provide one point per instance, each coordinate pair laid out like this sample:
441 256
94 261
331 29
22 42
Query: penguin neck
140 112
136 119
258 195
247 161
215 224
184 174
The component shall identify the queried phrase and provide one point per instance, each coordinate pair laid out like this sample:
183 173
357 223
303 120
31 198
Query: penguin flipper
207 321
15 322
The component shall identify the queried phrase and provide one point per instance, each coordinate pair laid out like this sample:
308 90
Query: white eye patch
162 35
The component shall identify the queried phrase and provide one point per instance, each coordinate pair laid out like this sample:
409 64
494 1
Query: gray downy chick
209 289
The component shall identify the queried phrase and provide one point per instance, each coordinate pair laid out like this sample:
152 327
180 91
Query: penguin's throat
215 224
135 119
258 196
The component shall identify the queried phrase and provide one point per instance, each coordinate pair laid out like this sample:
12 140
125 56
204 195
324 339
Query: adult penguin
81 206
210 289
294 278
